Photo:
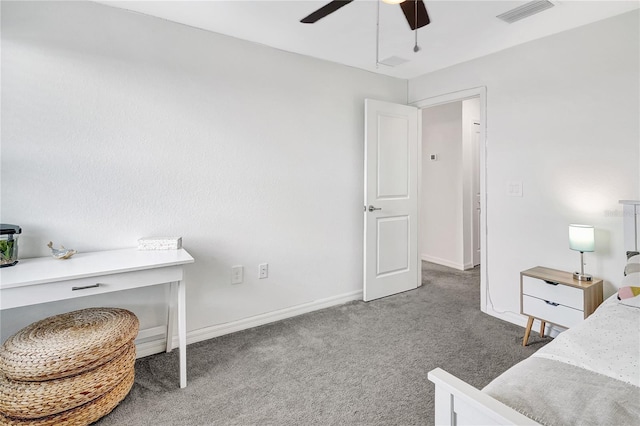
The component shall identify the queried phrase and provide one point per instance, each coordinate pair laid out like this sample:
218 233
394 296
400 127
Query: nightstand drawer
558 314
558 293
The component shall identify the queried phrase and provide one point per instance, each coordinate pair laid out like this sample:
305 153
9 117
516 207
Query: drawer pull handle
550 282
85 287
551 303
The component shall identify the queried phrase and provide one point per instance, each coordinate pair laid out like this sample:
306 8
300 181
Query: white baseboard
150 348
262 319
468 265
159 345
444 262
151 341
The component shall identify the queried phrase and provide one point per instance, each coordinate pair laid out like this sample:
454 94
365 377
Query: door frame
446 98
475 179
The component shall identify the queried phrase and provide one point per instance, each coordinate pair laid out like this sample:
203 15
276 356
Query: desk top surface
41 270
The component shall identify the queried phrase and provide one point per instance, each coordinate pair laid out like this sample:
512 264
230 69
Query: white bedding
608 343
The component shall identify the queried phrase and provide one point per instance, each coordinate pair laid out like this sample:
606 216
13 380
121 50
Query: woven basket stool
31 400
84 414
71 368
67 344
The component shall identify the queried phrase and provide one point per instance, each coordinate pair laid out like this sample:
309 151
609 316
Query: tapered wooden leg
542 324
527 331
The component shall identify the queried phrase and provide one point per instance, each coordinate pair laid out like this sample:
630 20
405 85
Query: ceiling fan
414 10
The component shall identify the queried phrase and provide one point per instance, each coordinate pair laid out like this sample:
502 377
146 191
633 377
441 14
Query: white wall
116 126
442 179
446 194
562 117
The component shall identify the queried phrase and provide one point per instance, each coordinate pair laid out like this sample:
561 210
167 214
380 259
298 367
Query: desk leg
182 333
171 317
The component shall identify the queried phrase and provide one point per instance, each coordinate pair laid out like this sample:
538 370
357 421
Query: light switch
514 188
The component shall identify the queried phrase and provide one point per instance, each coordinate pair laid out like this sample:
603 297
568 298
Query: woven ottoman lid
67 344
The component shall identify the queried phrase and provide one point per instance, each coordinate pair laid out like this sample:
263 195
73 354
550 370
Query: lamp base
582 277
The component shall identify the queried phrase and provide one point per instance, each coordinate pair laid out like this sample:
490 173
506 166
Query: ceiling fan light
393 1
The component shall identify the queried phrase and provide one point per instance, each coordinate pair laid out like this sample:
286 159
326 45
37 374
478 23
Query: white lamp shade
581 237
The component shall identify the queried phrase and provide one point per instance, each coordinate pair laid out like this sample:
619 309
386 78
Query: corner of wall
407 97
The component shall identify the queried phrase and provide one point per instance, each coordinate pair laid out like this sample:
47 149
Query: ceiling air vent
393 61
525 11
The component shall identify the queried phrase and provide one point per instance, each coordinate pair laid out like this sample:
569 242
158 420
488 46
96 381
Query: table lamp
581 238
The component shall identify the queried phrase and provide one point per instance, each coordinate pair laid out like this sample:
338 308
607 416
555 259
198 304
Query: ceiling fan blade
324 11
409 9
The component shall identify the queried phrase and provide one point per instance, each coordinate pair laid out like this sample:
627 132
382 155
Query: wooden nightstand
556 297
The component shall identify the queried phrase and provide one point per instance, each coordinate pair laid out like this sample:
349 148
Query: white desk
45 279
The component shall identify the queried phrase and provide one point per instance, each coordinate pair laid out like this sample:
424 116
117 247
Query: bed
588 375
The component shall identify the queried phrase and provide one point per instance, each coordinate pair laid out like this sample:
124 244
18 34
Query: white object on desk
160 243
44 279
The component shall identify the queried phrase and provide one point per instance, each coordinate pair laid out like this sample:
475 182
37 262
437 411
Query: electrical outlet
263 270
237 274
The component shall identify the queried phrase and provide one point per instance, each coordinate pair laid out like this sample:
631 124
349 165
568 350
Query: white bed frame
458 403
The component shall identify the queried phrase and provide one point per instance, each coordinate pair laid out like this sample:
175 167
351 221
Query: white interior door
391 199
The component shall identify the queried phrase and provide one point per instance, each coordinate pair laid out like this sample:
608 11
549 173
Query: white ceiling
459 30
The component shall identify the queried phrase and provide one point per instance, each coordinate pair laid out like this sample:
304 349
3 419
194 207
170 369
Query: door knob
371 208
